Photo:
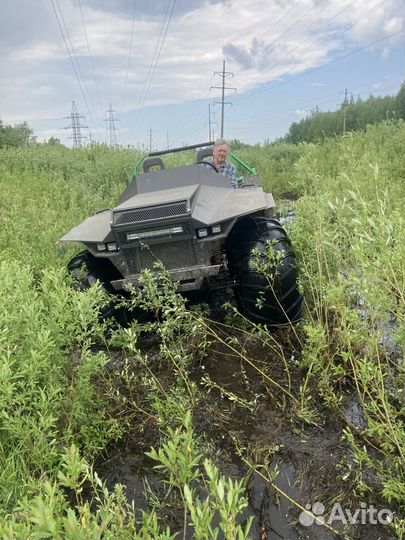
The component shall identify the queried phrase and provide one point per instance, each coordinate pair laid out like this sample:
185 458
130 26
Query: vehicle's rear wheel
261 260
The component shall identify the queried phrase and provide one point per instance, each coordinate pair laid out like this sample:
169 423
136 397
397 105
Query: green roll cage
234 157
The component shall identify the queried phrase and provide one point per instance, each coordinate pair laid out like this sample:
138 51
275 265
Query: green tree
53 141
15 136
400 102
359 114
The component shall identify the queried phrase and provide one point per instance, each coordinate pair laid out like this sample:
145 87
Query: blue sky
155 63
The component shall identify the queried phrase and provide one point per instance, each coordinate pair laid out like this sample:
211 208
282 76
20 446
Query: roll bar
251 170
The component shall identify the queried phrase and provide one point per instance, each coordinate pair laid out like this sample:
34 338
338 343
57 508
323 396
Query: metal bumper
189 279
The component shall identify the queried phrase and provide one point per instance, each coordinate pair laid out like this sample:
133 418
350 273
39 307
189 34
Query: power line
197 118
192 113
70 56
274 114
129 57
77 61
286 31
90 56
155 60
223 74
360 49
260 79
78 70
337 30
327 22
331 99
270 116
159 52
275 24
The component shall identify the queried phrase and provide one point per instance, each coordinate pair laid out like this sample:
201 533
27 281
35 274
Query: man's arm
232 175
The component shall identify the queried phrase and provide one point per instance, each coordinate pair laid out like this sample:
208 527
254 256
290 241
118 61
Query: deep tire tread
281 305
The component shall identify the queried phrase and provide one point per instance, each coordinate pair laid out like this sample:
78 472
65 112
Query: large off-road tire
87 271
271 297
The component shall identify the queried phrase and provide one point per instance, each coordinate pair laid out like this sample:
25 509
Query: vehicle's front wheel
87 271
261 260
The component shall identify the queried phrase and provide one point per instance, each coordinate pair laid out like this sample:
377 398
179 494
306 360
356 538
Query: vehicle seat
205 152
152 162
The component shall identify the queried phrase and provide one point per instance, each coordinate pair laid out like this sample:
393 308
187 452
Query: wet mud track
242 414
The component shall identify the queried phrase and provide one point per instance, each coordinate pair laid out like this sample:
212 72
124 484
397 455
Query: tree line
354 115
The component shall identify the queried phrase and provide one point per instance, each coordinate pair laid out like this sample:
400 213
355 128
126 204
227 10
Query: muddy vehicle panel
205 232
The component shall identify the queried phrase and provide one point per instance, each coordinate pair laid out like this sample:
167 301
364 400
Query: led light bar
151 234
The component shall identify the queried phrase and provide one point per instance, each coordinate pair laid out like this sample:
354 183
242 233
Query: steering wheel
207 163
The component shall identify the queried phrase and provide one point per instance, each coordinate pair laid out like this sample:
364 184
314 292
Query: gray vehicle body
180 216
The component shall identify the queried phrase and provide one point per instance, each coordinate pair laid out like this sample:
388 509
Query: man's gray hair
221 142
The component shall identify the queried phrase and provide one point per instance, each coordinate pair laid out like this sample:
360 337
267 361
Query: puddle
354 414
273 510
287 219
279 518
389 342
124 469
307 462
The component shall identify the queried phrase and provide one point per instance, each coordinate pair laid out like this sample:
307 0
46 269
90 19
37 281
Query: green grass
61 404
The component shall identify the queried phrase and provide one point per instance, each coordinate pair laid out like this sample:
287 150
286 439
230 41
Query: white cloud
379 23
263 41
385 53
393 25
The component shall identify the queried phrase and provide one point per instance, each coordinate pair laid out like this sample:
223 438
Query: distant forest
319 125
359 113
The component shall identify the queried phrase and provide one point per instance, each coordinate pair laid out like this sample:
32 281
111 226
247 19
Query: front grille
148 213
177 254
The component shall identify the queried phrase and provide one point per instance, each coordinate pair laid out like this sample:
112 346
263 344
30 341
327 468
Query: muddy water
275 512
253 416
290 459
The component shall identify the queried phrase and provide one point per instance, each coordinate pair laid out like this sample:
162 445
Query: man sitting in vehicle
220 152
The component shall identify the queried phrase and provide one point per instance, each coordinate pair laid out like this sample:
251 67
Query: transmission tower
344 107
111 126
223 74
211 123
76 126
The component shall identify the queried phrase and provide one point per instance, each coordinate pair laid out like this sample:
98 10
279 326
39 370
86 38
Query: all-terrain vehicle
207 234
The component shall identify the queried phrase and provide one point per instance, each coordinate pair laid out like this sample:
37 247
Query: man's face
220 154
